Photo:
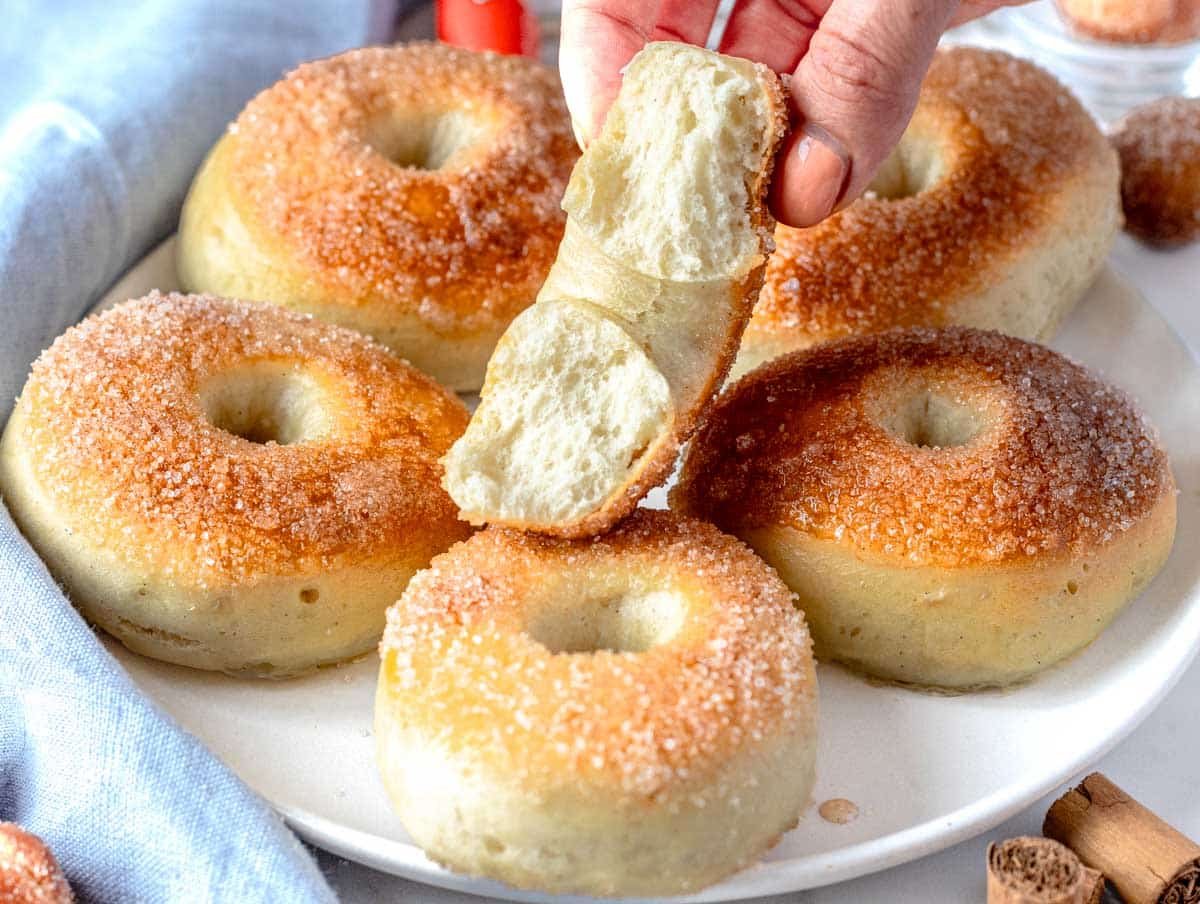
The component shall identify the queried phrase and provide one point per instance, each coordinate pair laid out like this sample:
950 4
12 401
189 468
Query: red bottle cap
504 26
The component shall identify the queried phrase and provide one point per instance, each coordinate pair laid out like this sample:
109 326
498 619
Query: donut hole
423 142
913 167
626 621
931 420
266 403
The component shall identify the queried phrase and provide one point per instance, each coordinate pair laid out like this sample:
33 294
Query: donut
409 192
952 507
1159 147
230 486
593 390
29 874
629 715
997 211
1120 21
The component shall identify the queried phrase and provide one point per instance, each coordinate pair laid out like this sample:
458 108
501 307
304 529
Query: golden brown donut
1122 21
409 192
952 507
997 210
629 715
230 486
1159 146
29 874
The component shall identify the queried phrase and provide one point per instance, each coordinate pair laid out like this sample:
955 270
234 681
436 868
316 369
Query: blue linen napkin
105 111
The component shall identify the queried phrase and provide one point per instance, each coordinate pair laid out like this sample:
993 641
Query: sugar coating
116 435
465 246
1064 462
1159 146
630 726
1010 139
29 873
1132 21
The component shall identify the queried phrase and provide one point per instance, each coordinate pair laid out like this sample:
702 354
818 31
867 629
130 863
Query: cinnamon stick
1146 860
1039 871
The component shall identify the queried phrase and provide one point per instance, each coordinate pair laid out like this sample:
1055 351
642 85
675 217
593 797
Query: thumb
854 91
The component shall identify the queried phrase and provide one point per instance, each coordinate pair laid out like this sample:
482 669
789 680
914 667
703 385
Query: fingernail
819 178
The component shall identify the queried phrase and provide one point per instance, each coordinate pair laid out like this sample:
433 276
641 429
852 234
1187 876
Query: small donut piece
630 715
997 210
230 486
594 389
409 192
29 874
952 507
1159 146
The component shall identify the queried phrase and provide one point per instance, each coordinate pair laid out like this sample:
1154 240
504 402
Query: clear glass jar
1108 76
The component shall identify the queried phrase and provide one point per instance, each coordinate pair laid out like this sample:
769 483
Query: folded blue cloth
105 111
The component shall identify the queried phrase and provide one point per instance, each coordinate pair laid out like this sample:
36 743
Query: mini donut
1120 21
409 192
1159 146
997 210
230 486
29 874
629 715
952 507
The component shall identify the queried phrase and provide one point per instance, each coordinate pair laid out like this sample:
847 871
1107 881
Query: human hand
856 68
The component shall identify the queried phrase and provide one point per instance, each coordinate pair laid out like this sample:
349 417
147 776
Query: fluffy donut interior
573 403
665 187
586 388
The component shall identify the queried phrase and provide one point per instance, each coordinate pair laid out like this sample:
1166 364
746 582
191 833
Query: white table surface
1157 763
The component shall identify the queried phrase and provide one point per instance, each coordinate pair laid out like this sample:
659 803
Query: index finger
599 37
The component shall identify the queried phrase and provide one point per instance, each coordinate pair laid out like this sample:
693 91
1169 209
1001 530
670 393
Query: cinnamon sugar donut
633 714
29 874
1124 21
230 486
952 507
409 192
1159 146
996 210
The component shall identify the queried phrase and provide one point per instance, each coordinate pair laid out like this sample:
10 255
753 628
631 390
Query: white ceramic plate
926 771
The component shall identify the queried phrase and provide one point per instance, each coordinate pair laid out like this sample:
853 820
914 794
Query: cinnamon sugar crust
1159 146
464 242
1052 458
115 432
29 874
629 726
980 181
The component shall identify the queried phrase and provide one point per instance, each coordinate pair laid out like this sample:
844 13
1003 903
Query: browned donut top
29 874
1009 138
1159 146
1059 461
473 238
116 434
459 657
